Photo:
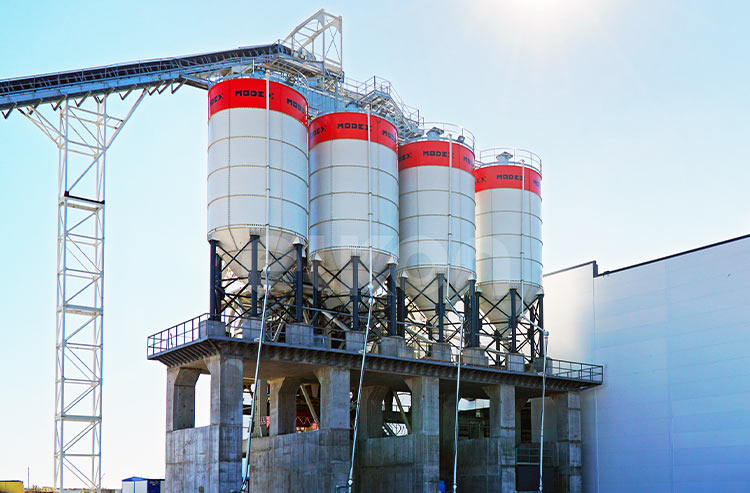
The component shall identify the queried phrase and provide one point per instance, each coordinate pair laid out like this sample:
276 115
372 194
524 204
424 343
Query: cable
458 385
541 426
246 476
350 480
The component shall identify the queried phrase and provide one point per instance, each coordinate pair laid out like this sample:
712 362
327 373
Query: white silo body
257 140
353 195
509 228
436 209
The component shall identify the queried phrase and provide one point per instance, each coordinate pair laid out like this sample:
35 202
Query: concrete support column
371 412
425 425
568 411
226 389
503 429
283 405
225 459
261 410
447 430
334 397
181 398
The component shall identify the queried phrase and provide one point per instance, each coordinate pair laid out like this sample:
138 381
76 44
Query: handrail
334 336
511 155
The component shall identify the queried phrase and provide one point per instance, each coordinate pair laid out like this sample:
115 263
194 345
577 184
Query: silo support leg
355 293
392 316
513 322
298 285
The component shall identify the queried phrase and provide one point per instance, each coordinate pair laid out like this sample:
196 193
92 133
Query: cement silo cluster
336 213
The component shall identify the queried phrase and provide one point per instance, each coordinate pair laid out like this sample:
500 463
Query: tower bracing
82 130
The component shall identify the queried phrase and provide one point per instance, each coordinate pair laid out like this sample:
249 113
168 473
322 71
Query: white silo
353 196
509 229
257 169
436 209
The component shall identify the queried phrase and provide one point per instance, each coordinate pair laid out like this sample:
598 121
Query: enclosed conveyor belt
45 88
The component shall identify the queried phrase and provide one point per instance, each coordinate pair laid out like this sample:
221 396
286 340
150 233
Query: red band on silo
251 93
352 126
508 176
435 153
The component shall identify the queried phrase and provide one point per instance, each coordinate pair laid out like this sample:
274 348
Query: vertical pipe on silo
369 201
315 289
450 208
401 305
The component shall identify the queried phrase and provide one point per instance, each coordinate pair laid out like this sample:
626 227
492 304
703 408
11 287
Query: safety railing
573 369
379 86
176 336
528 453
442 130
329 331
509 155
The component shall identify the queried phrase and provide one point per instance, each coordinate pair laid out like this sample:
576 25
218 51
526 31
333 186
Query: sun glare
540 23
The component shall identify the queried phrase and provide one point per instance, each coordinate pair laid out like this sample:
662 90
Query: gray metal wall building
673 414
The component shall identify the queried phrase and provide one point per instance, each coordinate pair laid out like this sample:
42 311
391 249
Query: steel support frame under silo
355 305
512 333
298 294
82 131
240 296
452 307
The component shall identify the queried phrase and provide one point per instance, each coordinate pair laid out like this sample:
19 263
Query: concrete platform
281 359
208 459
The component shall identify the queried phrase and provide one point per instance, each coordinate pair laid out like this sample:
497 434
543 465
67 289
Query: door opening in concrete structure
203 400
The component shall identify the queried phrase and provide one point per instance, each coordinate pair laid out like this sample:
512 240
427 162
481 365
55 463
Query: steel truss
82 132
319 37
511 332
298 294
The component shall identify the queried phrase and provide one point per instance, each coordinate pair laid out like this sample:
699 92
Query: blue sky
639 110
